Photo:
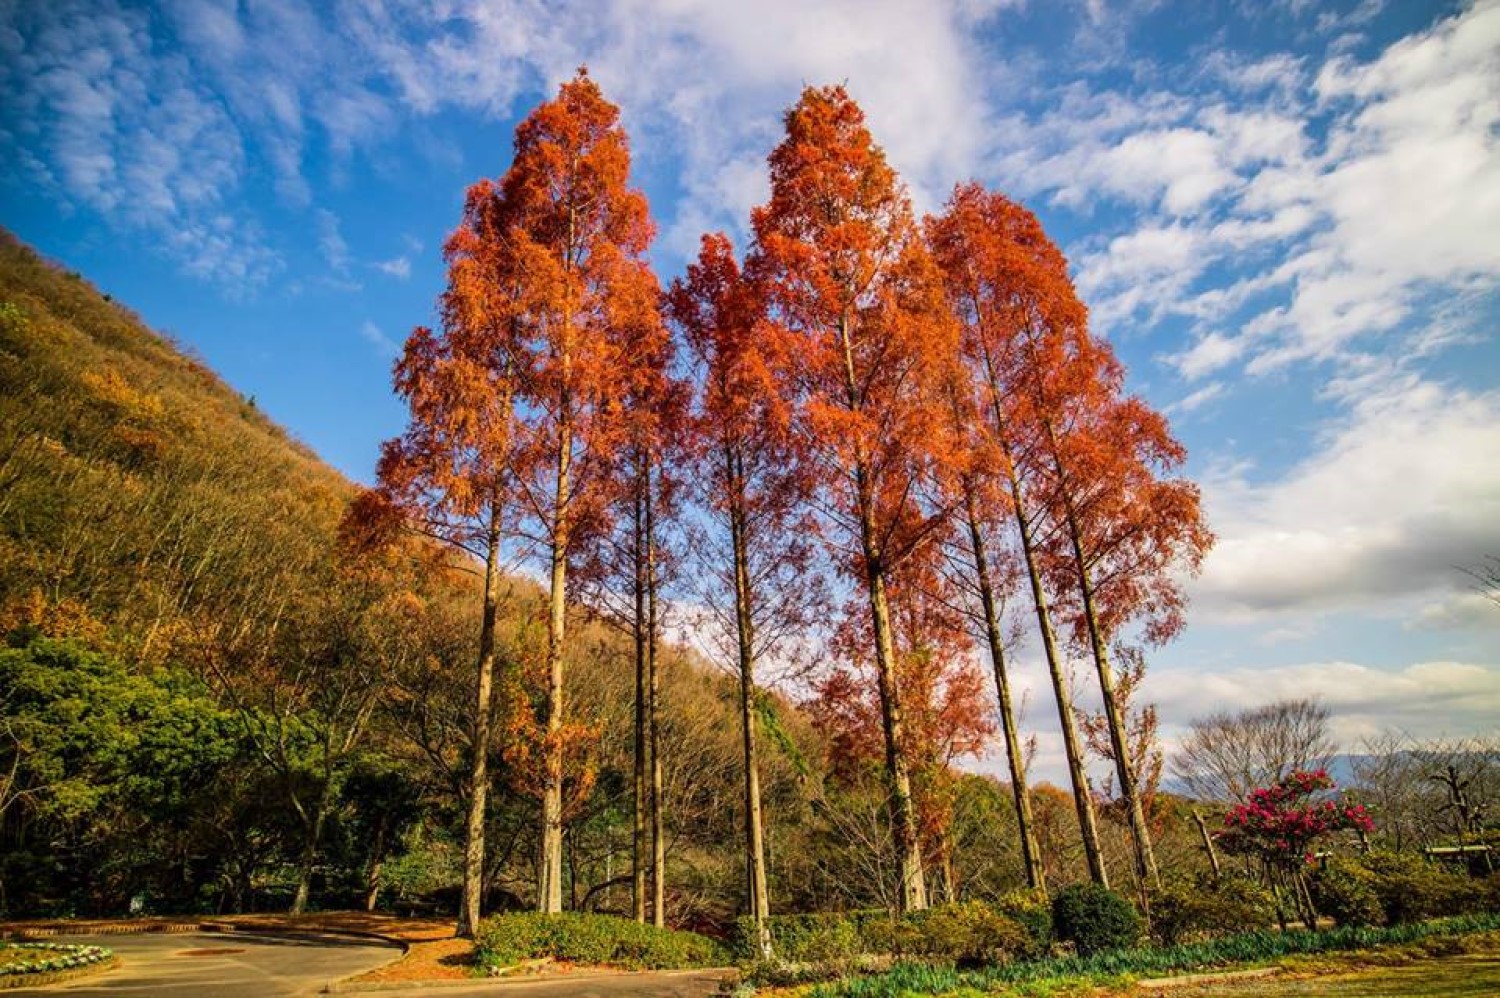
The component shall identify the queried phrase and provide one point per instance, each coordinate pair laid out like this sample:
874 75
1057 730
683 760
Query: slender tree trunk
479 772
912 895
949 882
1140 832
377 858
310 844
1036 877
1208 844
653 664
1082 800
549 891
642 688
755 846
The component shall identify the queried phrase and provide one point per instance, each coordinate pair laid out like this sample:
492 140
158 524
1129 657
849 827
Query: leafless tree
1428 793
1226 755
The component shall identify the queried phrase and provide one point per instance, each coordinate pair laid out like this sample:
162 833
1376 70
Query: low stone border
1187 980
349 986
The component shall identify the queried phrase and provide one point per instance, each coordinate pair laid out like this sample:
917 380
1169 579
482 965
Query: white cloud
398 267
1427 699
115 124
377 338
1196 400
1461 611
1393 495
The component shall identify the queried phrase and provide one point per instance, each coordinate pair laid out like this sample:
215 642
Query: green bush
966 934
1094 918
809 938
1033 911
1411 889
505 940
1183 909
1345 891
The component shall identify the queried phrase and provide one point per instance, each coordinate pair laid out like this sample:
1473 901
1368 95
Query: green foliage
908 980
110 764
965 934
816 947
1182 910
808 938
1345 890
505 940
1033 911
1094 918
1393 888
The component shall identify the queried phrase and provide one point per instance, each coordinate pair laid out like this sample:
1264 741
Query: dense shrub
504 940
1345 890
1033 911
1069 972
969 933
965 934
809 938
1184 910
1411 889
1094 918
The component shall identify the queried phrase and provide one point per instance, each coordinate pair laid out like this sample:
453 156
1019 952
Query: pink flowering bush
1281 822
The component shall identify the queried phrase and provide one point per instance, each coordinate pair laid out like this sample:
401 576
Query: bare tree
1429 793
1226 755
1486 576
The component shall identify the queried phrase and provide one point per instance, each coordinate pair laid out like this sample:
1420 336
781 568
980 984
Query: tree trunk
1082 800
1208 844
479 772
1036 877
913 895
755 846
1140 832
309 858
377 857
658 841
549 891
642 688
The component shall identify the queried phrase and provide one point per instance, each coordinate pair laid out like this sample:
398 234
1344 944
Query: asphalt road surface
263 965
222 965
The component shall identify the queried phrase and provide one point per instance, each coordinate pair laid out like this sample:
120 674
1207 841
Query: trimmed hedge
1019 926
505 940
1394 888
1186 910
1095 919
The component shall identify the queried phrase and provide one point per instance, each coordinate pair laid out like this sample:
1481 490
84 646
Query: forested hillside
205 692
211 698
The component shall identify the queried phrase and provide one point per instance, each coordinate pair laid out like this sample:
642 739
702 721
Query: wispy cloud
398 267
376 337
112 121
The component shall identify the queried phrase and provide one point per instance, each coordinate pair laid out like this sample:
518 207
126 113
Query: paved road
262 965
222 965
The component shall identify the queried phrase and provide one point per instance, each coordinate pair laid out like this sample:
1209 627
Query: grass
1120 966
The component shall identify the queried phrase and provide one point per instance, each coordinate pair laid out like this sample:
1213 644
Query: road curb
500 984
210 927
1223 976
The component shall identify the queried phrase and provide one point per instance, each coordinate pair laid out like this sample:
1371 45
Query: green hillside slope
139 494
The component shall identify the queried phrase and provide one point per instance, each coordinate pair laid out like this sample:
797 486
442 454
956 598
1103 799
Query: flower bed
26 959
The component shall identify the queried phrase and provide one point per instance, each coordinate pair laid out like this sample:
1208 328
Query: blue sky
1285 214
